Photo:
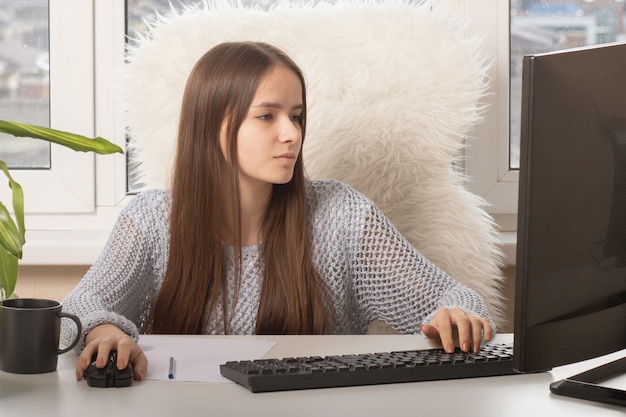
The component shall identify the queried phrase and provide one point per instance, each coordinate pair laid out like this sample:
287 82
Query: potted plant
12 230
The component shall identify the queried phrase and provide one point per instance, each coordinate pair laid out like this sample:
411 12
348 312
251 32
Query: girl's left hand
455 327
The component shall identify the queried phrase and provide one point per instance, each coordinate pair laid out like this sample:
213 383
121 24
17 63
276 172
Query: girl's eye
296 118
265 117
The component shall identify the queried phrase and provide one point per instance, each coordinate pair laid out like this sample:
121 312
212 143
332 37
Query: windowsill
84 247
508 241
63 247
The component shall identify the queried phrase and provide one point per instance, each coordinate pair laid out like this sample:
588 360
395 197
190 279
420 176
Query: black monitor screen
570 301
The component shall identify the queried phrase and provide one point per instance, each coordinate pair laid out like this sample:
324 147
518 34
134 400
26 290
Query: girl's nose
289 131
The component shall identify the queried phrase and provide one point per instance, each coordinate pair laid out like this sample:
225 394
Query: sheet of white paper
197 358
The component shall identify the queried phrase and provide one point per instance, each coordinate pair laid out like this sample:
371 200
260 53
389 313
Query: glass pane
24 79
549 25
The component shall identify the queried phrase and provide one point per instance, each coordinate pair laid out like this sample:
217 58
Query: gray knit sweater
373 273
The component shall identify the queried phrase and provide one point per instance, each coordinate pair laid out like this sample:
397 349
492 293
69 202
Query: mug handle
78 334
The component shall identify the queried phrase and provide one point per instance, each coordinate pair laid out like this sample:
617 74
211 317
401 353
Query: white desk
59 394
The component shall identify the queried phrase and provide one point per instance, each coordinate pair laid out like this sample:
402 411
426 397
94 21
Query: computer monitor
570 293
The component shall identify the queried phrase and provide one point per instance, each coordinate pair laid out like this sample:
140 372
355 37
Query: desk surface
59 394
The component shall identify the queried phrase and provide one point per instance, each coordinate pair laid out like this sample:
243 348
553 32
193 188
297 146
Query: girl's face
270 137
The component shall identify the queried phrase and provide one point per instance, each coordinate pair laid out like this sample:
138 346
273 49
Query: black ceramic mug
30 329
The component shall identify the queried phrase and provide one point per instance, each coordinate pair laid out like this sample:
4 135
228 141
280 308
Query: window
24 78
67 183
513 29
72 205
548 25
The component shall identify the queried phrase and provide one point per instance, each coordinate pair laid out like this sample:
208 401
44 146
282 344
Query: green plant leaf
12 233
8 274
9 234
60 137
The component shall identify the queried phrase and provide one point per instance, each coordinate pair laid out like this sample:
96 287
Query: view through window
549 25
24 79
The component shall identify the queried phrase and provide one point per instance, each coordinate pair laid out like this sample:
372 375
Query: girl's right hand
102 340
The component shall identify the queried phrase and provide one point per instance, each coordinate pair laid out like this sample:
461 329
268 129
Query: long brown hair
220 88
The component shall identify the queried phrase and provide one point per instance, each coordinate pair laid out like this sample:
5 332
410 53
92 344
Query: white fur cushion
393 90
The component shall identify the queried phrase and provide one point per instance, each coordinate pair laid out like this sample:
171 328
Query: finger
84 359
429 331
81 364
123 355
105 346
463 328
140 365
431 334
443 322
487 329
476 331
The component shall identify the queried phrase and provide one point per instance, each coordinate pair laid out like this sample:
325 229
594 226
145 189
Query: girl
245 244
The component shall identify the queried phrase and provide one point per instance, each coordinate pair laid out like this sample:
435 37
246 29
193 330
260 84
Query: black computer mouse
109 375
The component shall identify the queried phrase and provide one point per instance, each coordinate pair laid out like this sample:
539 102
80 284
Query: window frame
76 233
487 156
61 189
71 208
487 162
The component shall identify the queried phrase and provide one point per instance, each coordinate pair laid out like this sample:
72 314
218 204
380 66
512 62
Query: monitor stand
585 385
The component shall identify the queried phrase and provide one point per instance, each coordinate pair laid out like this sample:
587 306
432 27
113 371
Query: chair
394 89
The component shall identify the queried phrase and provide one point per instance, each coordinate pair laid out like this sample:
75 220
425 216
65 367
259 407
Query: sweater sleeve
119 287
394 282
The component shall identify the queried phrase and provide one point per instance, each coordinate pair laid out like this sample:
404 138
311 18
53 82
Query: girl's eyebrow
273 105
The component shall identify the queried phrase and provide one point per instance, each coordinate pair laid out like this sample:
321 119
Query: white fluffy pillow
393 90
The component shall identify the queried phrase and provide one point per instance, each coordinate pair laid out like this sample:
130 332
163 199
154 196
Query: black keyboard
264 375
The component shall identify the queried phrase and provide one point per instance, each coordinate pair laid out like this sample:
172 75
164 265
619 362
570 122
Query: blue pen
170 374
